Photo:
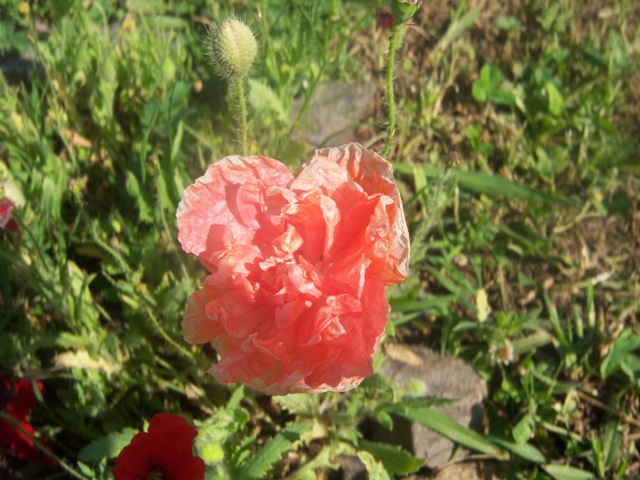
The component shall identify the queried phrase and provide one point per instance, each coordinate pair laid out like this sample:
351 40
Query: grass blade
448 427
564 472
491 185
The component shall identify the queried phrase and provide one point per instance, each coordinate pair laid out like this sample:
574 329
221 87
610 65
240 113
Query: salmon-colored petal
295 301
375 176
218 211
368 169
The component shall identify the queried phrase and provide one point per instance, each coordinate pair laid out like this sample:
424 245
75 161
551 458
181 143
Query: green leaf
525 450
488 80
509 23
395 460
448 427
106 447
550 16
298 403
563 472
554 97
133 187
487 87
385 420
258 466
523 430
405 305
375 469
500 96
621 356
491 185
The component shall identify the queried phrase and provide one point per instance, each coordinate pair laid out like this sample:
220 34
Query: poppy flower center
155 474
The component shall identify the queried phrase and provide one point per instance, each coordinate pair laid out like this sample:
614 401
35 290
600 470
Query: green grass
518 156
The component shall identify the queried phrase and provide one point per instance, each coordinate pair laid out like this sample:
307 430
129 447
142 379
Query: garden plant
222 222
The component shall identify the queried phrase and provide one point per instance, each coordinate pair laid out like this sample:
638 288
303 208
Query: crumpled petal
220 209
295 300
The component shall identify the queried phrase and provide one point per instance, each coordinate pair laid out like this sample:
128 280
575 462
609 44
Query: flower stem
396 35
243 114
40 446
164 334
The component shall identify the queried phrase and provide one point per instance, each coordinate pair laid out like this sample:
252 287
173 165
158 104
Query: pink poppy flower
295 301
165 451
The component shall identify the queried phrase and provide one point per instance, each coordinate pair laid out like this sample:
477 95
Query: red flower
16 400
6 222
164 452
384 19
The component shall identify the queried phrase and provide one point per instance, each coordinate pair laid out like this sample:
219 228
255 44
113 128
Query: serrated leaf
106 447
395 460
375 469
257 466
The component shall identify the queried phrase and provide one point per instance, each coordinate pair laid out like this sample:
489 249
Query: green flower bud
232 47
212 453
403 10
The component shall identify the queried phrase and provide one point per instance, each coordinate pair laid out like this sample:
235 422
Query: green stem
163 332
243 114
40 446
396 35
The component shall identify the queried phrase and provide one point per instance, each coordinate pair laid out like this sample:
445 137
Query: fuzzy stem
396 35
40 446
243 114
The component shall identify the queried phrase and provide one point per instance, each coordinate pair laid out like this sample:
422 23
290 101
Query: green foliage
487 87
258 466
107 447
375 468
12 27
623 357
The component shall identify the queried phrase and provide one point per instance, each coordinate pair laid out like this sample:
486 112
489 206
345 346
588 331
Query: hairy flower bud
403 10
232 47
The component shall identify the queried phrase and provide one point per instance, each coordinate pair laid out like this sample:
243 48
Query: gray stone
440 377
18 68
463 471
333 113
351 468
